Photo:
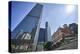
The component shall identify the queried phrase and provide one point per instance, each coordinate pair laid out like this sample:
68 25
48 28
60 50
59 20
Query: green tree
48 46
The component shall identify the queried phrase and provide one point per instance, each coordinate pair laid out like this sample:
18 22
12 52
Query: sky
19 11
58 15
55 14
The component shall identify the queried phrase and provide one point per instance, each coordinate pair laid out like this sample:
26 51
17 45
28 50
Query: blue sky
19 11
55 14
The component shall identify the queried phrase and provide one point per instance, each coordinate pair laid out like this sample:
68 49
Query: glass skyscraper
25 35
44 37
48 32
41 39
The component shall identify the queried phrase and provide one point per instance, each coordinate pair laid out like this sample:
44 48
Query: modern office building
25 36
44 36
41 39
48 32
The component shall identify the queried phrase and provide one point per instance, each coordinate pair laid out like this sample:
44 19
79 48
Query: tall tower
29 22
41 40
27 30
48 32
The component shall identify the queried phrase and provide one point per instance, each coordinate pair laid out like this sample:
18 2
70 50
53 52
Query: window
27 36
23 36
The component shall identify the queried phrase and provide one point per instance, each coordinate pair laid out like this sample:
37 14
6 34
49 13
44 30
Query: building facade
48 32
25 35
44 37
41 39
61 33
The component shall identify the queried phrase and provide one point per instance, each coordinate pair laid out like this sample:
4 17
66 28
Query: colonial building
61 33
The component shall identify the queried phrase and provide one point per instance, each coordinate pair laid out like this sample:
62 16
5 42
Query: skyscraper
41 37
25 35
48 32
41 40
44 37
